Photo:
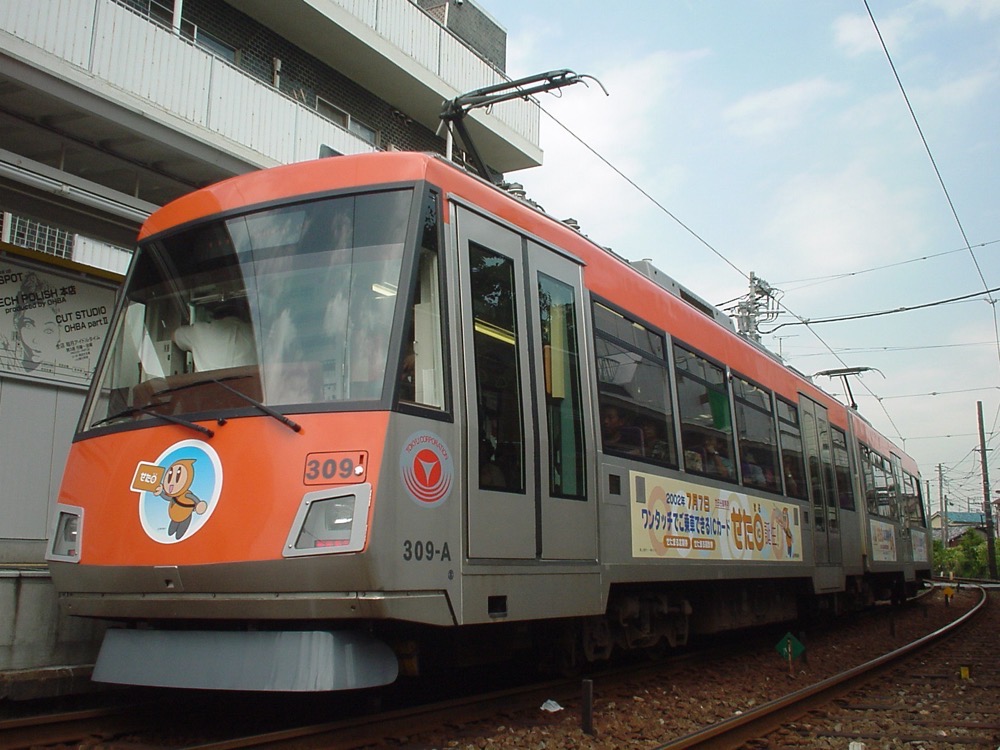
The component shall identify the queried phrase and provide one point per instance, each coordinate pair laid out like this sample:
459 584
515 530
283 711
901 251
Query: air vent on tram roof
647 269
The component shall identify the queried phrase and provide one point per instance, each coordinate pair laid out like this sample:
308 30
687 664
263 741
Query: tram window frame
428 249
914 501
790 438
696 437
502 438
842 469
882 482
751 416
867 478
617 334
559 321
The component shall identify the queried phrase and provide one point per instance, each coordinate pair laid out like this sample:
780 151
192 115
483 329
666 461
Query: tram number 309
420 550
335 468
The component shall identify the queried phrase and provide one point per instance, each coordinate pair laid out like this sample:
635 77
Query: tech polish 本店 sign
52 324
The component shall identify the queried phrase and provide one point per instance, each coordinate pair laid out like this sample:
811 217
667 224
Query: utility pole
991 546
944 508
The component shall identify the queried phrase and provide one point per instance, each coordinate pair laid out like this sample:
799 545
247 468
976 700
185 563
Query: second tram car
355 406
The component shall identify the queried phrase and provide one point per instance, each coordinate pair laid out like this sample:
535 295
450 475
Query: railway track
824 710
509 719
82 727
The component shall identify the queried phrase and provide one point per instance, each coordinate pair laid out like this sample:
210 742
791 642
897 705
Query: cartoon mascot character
176 489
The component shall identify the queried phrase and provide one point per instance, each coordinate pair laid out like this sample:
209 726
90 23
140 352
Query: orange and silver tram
359 405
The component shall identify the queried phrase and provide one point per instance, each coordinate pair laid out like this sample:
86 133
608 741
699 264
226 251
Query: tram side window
842 469
913 501
898 492
868 478
421 371
498 375
756 435
706 426
791 450
563 397
885 494
633 389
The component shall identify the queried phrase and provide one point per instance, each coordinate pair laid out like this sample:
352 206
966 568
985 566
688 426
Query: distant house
958 524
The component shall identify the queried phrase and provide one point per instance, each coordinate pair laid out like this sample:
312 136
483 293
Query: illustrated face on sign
39 334
37 328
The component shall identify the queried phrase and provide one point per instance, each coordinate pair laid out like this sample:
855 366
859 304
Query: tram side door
568 512
522 327
502 493
822 482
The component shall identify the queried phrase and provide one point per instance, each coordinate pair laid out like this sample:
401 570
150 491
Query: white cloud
984 10
769 113
855 35
620 127
840 222
959 92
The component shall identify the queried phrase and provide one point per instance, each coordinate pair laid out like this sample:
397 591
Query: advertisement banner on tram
672 518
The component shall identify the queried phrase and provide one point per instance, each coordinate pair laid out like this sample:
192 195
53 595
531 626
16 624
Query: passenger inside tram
716 462
223 340
617 432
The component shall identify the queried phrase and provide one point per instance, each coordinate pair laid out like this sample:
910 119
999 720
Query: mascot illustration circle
179 491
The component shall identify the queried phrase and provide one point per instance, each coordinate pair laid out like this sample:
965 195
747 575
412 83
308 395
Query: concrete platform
43 652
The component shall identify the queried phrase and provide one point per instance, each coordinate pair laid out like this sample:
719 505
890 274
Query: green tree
966 560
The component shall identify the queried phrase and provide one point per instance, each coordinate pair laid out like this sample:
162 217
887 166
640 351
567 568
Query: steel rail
735 731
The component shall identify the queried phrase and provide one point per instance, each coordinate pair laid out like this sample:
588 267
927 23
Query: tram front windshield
290 307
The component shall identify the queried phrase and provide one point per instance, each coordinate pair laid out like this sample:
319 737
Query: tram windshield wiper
148 410
290 424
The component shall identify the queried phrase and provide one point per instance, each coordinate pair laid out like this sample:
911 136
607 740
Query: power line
877 349
848 274
944 188
945 393
708 245
927 147
859 316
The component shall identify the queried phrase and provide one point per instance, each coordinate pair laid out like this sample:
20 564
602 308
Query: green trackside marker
790 648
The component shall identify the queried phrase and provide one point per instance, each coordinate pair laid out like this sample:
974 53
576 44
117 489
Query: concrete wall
42 651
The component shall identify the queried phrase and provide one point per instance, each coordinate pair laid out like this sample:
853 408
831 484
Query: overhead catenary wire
879 313
816 280
808 323
947 194
715 251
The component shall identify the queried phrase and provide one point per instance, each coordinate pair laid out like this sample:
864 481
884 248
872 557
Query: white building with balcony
111 108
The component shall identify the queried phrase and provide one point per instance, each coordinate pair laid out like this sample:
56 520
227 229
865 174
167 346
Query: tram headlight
330 521
64 543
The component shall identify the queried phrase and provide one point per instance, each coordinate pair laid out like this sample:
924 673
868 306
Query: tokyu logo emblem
426 468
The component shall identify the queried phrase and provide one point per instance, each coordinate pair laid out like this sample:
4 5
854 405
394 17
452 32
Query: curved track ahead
756 724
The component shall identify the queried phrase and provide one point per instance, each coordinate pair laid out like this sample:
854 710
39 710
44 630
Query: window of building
352 125
213 44
633 389
706 425
791 450
757 436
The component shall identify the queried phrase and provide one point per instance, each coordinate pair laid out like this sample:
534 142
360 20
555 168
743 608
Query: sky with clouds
777 137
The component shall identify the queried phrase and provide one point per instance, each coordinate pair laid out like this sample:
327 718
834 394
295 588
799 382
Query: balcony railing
120 48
